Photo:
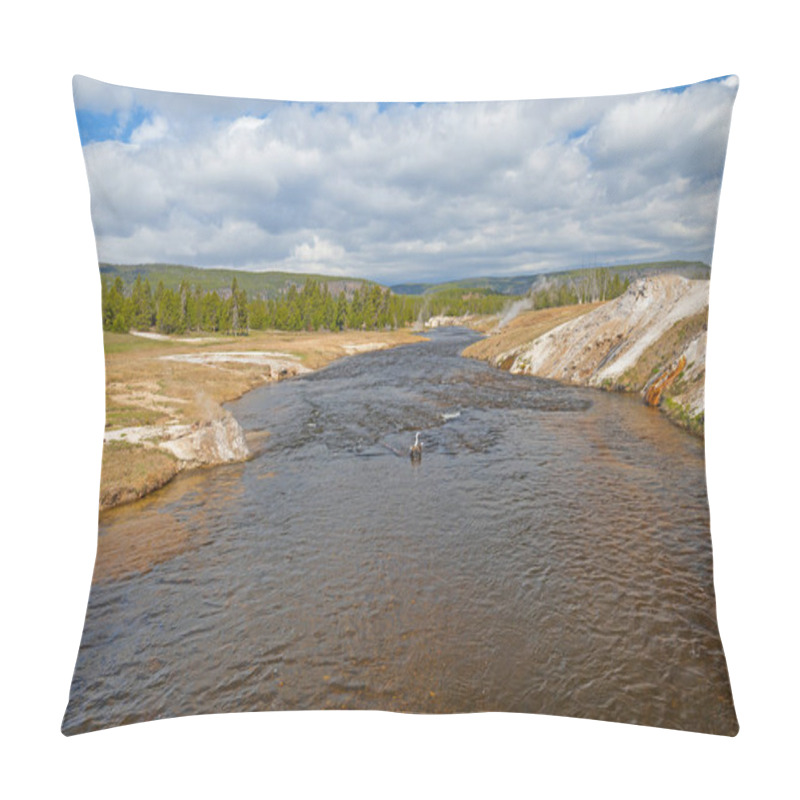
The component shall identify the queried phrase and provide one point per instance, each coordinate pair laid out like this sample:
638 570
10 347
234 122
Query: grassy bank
148 388
132 471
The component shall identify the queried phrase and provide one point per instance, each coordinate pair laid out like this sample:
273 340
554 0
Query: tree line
456 302
169 311
591 286
313 307
310 307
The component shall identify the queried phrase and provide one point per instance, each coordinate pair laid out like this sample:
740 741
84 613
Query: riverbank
164 397
333 535
651 340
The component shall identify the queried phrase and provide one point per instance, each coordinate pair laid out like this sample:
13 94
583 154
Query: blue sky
96 126
404 191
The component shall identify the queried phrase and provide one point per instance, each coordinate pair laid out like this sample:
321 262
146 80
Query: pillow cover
404 407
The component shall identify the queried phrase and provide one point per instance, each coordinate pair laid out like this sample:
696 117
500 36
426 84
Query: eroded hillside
651 339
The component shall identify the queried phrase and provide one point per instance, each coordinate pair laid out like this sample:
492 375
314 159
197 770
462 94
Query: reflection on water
550 554
160 528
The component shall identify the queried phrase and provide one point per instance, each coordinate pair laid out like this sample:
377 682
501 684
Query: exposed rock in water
217 441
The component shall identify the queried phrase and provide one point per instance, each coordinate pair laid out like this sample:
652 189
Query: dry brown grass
132 471
144 389
484 324
524 328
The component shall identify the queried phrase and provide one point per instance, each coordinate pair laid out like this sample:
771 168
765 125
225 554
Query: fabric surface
404 407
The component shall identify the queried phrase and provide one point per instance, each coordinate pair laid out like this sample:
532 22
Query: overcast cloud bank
402 192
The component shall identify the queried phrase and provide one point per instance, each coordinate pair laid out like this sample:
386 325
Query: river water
550 554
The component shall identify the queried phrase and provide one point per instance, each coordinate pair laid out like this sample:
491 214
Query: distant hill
256 284
273 284
521 284
498 285
695 270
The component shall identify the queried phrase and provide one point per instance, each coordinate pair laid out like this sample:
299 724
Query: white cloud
319 251
150 131
411 192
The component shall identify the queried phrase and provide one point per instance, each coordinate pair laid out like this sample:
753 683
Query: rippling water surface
550 554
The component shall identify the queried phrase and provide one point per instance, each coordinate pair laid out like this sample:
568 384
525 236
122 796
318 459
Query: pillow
404 407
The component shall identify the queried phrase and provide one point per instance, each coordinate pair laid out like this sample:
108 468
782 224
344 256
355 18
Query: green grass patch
128 343
681 415
132 416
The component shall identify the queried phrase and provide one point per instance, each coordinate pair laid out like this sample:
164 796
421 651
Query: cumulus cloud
407 192
319 251
150 130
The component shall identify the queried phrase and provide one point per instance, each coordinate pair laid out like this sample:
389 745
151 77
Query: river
549 554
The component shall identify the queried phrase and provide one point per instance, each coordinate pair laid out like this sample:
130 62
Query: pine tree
168 313
117 311
210 312
183 294
142 310
234 307
340 320
242 326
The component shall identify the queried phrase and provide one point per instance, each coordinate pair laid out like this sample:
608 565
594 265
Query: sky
403 192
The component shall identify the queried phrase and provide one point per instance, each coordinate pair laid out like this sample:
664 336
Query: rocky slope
650 340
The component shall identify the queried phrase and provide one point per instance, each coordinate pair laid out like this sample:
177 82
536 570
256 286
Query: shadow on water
550 553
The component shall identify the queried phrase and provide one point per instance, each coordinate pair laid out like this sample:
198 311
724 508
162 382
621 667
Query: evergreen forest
313 307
